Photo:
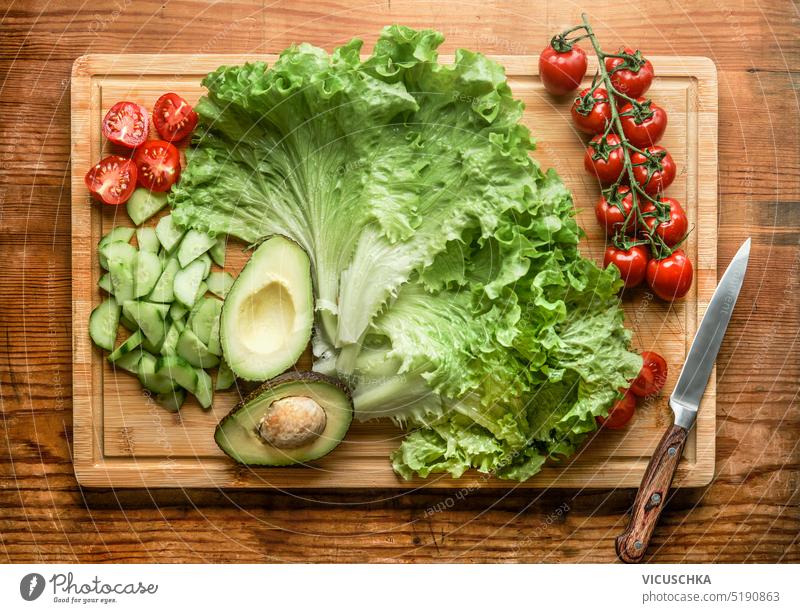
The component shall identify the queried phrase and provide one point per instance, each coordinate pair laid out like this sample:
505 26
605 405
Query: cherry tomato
609 215
126 124
561 72
674 229
632 264
644 123
591 111
173 117
671 277
654 174
620 414
652 377
112 180
159 165
637 75
604 158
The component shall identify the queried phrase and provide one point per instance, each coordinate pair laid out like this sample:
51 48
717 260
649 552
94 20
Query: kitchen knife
684 401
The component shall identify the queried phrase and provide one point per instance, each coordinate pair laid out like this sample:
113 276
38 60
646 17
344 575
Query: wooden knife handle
652 496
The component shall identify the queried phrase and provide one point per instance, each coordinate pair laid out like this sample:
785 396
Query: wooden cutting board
122 438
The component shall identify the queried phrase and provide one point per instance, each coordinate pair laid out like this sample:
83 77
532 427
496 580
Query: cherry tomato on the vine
591 111
159 165
672 230
644 123
562 71
620 414
635 78
173 117
604 158
608 213
112 180
670 277
126 124
652 376
655 173
632 263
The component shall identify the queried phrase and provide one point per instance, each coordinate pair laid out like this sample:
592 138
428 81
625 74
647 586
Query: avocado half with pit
268 313
292 419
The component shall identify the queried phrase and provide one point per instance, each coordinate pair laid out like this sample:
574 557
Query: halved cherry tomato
604 158
562 71
652 376
643 123
591 111
654 174
112 180
671 277
632 264
620 414
126 124
674 229
635 77
159 165
173 117
608 213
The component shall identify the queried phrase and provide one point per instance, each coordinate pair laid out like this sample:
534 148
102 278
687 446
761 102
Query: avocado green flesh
268 313
238 434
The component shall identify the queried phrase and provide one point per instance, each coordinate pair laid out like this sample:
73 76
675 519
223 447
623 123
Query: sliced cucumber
129 325
143 204
121 259
203 392
225 377
172 401
193 245
149 317
219 283
204 317
105 283
177 311
154 348
168 233
163 292
130 361
201 291
168 347
147 239
179 370
120 233
187 282
206 263
150 379
103 324
194 351
131 343
214 343
217 251
147 271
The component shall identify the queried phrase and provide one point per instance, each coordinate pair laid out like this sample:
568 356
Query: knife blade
631 545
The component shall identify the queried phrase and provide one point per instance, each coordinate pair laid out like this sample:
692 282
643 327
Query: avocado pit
292 422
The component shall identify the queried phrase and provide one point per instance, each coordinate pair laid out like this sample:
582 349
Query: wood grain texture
748 513
123 439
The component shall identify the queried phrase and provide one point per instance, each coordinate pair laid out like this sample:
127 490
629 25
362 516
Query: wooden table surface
749 513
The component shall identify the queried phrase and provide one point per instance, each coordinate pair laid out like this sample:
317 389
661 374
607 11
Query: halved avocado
292 419
268 313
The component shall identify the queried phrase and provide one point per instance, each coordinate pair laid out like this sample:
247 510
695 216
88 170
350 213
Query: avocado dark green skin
287 377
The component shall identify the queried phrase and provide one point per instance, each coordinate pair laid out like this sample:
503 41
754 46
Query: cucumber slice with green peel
143 204
168 233
225 377
206 263
147 272
204 391
120 233
105 283
147 239
204 317
124 348
154 348
129 325
214 342
117 250
193 245
179 370
217 251
169 346
121 260
150 379
194 351
172 401
130 361
149 316
187 282
177 311
180 324
201 291
103 324
219 283
163 290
